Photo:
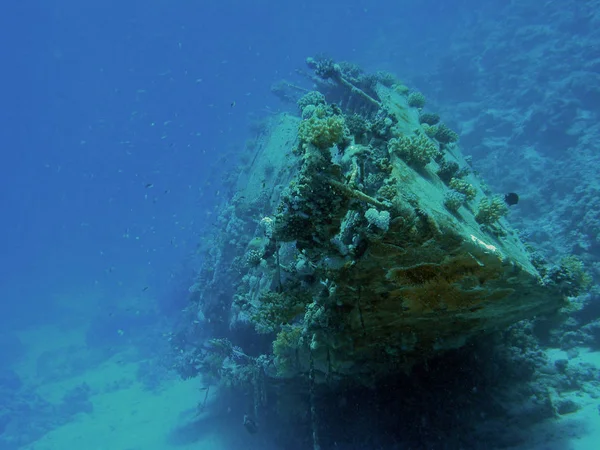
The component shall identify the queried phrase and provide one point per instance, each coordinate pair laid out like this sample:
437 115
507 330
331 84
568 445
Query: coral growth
491 211
380 219
453 200
276 309
464 187
429 118
322 129
416 100
416 150
285 350
443 134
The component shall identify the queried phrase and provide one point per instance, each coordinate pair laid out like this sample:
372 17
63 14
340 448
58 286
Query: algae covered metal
359 242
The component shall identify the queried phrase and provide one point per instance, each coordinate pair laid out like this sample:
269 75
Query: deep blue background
100 99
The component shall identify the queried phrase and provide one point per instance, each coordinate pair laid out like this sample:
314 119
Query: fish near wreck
250 424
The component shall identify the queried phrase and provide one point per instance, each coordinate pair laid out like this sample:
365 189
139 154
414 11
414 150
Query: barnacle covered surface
361 251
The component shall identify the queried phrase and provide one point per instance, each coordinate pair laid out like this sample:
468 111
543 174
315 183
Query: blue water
120 120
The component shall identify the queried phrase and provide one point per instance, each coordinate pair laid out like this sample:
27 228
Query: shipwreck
357 243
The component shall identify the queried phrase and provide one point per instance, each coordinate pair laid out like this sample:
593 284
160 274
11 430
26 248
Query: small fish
233 103
250 424
511 198
149 185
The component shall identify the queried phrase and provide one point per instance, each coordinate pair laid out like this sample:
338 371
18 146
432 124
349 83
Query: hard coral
314 98
276 309
380 219
358 127
453 200
490 211
443 134
285 350
321 130
429 118
464 187
574 268
416 100
416 150
447 170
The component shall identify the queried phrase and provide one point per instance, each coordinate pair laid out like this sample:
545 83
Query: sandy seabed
128 417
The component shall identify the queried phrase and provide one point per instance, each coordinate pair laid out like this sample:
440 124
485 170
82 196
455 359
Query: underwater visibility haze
315 225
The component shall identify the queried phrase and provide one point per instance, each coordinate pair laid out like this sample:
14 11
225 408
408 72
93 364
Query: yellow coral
285 350
491 211
575 268
416 150
464 187
322 131
277 308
